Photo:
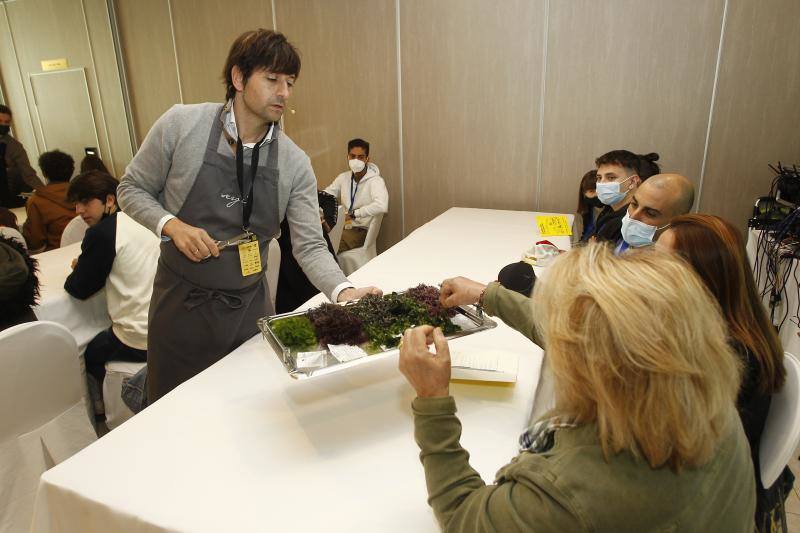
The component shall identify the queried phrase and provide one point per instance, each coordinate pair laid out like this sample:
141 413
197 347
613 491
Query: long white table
84 318
243 447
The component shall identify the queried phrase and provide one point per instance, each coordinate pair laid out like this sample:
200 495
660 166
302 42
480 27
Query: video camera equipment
777 212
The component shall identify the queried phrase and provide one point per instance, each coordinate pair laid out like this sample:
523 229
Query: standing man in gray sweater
215 181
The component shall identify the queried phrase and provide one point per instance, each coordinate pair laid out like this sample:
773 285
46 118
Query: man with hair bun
619 174
215 181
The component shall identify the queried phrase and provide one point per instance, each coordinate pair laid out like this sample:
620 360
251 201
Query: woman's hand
460 291
428 373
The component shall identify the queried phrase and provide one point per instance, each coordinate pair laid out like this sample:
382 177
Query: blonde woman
644 435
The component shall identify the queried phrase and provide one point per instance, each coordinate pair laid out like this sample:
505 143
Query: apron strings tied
199 296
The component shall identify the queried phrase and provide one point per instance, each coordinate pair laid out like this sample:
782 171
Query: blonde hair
637 344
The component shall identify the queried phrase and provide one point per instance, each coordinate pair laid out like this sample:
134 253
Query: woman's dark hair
92 162
92 184
56 165
715 249
15 306
643 166
5 110
8 218
588 183
260 49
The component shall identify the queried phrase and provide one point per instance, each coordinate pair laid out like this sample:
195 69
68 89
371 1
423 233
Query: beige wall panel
14 91
757 108
471 78
626 74
347 88
54 29
109 85
204 32
45 29
147 50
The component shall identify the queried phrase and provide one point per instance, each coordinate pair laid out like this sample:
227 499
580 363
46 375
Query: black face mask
594 202
5 129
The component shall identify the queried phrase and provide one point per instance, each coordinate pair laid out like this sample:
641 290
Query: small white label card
310 359
475 360
344 352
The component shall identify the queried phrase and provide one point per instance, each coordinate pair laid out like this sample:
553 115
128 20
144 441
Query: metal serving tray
469 317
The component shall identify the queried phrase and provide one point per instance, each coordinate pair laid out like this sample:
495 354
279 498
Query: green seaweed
374 322
295 332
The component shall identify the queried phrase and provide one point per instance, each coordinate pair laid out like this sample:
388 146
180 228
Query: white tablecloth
84 318
243 447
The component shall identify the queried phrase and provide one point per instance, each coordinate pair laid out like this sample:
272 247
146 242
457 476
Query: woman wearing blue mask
589 206
619 174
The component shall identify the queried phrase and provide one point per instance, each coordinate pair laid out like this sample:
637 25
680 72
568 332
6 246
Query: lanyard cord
353 191
248 200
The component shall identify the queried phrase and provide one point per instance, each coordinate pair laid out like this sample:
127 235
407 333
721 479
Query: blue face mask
638 234
609 193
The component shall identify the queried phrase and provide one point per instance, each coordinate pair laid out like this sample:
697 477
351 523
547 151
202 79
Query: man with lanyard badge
214 181
363 193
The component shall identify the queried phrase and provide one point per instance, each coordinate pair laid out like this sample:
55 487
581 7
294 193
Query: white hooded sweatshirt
371 196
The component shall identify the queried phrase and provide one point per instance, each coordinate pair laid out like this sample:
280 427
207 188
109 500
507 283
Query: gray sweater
160 176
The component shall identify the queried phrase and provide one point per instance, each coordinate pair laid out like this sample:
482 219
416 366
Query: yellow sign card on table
553 225
250 257
54 64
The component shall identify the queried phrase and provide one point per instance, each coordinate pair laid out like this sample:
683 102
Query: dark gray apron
200 312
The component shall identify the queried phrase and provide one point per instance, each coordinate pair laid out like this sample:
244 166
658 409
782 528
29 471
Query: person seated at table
362 192
16 174
9 227
92 162
294 288
653 205
49 211
716 251
121 256
589 206
519 276
19 284
644 435
619 173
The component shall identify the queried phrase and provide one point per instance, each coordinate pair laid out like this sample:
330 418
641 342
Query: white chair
781 433
116 374
273 269
336 231
21 213
74 231
43 413
352 260
11 233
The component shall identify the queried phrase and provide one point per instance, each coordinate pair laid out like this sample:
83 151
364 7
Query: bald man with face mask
654 204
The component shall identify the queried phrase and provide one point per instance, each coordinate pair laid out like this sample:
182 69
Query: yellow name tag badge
553 226
250 257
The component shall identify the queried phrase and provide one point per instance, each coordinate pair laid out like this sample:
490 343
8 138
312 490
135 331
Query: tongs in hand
233 241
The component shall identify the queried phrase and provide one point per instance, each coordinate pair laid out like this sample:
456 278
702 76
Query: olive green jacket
516 310
572 487
511 307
